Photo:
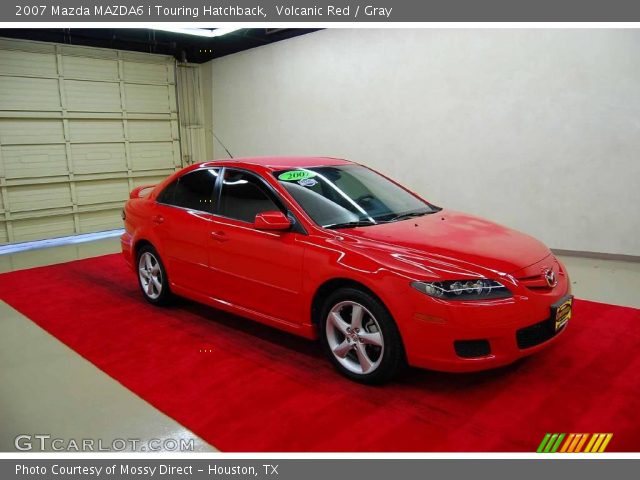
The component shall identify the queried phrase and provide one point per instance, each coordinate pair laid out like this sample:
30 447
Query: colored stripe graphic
568 442
582 442
607 439
573 445
553 442
596 447
590 444
550 443
543 443
557 444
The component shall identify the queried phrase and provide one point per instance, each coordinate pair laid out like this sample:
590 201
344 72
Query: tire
372 354
152 276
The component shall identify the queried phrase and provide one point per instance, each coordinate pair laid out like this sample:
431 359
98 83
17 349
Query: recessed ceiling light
200 32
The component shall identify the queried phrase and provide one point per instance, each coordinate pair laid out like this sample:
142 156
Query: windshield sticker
296 175
308 182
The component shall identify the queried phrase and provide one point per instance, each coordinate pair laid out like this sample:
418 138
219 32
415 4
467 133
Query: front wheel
152 276
360 336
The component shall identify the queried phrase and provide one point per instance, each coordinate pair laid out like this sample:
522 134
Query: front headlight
480 289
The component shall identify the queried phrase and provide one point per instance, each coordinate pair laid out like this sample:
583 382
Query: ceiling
183 47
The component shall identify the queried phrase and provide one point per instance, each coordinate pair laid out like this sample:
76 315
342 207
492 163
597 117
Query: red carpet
262 390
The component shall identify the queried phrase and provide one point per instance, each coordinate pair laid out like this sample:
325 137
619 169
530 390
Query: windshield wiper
356 223
404 216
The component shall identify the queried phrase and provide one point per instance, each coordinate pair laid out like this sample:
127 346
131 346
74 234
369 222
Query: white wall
207 99
535 129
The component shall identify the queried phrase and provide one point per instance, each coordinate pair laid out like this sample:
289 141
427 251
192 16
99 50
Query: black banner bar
320 12
314 469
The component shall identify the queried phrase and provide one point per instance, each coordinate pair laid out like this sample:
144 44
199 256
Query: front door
259 270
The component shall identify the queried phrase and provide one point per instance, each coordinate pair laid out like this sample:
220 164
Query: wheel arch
141 242
328 286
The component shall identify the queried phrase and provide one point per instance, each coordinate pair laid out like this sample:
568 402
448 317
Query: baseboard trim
60 241
597 255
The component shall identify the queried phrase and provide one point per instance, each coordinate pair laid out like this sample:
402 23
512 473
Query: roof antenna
220 142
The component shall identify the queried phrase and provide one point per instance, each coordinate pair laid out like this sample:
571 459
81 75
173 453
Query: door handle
158 219
219 236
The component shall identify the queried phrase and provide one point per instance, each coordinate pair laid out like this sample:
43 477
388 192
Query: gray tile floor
606 281
47 388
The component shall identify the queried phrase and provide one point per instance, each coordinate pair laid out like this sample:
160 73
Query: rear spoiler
141 191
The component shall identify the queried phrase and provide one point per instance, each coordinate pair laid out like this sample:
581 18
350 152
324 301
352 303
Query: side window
193 191
243 196
166 196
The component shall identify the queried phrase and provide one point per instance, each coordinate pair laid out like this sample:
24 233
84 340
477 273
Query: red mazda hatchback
327 248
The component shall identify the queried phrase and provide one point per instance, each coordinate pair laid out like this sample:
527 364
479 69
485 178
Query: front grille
472 348
535 334
536 282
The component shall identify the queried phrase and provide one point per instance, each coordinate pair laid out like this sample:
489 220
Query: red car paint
217 261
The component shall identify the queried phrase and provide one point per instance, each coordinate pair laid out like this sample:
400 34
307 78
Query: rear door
183 223
259 270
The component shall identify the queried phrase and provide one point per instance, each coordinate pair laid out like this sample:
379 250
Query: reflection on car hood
458 236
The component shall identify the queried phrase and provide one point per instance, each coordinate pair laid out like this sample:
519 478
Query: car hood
459 237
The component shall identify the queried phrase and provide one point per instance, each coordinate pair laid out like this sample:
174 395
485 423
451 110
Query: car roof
279 163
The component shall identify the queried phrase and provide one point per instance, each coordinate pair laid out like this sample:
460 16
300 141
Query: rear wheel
152 276
360 336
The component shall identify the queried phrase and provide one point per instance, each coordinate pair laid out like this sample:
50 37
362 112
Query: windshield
350 196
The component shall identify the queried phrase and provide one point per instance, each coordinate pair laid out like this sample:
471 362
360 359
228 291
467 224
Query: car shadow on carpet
277 344
312 351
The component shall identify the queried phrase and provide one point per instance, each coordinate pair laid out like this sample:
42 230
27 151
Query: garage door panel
34 161
31 94
99 157
145 72
78 127
39 197
150 130
96 131
102 191
152 155
100 221
24 63
31 131
151 180
86 96
147 98
26 46
80 51
175 129
90 68
173 102
42 227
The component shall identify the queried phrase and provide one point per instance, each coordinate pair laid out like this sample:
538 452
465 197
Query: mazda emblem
550 277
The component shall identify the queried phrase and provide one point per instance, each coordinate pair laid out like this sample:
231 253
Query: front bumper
442 353
469 336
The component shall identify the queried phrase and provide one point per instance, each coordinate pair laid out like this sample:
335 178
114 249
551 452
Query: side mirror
273 220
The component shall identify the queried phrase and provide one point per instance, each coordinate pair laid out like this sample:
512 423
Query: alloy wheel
354 337
150 275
